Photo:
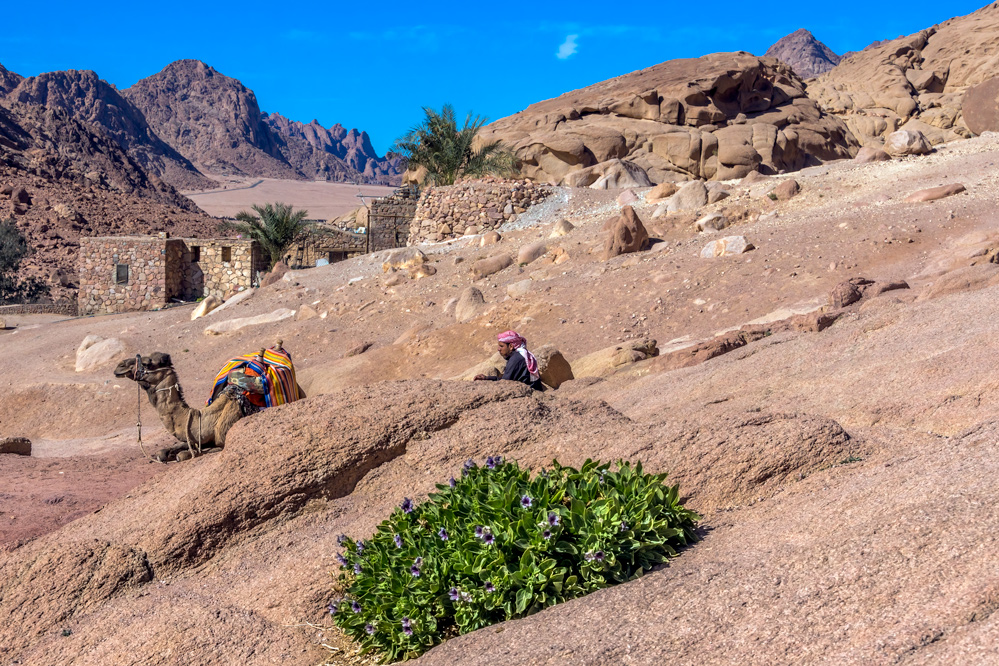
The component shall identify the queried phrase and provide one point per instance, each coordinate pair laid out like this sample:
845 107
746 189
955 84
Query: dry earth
846 477
323 200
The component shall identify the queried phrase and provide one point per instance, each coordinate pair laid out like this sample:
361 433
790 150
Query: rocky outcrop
716 117
916 82
211 119
807 56
335 153
88 98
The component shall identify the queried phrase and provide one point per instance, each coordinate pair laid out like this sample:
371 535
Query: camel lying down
195 428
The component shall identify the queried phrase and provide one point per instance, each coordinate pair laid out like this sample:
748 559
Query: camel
195 428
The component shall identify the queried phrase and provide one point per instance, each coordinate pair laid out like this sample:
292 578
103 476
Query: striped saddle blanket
277 374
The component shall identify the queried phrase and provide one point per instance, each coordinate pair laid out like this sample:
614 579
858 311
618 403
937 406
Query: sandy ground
323 200
905 374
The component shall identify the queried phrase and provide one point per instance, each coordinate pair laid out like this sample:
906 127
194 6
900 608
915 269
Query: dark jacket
516 370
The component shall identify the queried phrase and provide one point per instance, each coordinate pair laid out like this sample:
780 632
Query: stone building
125 273
390 218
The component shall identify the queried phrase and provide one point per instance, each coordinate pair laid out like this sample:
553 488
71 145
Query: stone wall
212 275
390 219
160 270
38 308
471 207
144 285
333 245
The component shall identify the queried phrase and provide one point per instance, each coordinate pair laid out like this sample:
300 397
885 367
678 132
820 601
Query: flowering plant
496 545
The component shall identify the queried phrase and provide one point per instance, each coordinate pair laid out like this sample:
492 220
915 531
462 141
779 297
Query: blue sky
373 66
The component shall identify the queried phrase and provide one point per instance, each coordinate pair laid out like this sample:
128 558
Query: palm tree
446 152
275 226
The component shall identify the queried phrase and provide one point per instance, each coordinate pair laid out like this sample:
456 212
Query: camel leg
225 420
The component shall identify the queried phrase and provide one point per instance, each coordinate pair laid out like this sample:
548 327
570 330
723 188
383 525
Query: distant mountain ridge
807 56
215 121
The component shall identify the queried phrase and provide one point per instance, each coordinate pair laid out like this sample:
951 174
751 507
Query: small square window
195 253
226 254
121 274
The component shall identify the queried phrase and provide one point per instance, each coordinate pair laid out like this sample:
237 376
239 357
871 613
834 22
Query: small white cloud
567 48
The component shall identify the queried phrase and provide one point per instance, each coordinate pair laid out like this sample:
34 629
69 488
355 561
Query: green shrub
496 545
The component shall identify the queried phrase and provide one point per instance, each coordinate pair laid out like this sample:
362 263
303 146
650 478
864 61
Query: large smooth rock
530 252
210 303
493 367
724 247
552 366
712 222
934 193
273 276
661 192
691 196
627 234
469 304
231 325
907 142
980 106
490 265
95 351
403 259
611 359
869 154
562 227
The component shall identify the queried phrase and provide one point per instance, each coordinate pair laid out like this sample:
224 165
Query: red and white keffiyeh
517 341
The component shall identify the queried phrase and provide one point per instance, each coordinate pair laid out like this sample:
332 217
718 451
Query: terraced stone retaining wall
472 207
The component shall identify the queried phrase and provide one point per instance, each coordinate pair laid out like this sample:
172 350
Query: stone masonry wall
38 308
211 275
472 207
390 219
145 288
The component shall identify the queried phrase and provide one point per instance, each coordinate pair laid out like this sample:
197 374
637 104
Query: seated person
521 366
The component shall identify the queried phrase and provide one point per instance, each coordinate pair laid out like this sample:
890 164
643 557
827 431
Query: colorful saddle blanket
276 372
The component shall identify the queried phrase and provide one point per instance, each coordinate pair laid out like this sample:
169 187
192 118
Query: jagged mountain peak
806 55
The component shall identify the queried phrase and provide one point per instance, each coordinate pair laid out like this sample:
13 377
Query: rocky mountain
86 97
215 121
8 80
917 82
324 153
807 56
717 117
211 119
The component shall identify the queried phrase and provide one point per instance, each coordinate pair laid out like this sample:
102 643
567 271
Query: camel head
150 371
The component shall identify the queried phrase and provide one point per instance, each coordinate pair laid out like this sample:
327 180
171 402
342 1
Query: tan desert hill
807 56
825 400
917 82
717 117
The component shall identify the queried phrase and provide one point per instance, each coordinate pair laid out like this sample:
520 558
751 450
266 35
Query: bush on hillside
13 248
495 545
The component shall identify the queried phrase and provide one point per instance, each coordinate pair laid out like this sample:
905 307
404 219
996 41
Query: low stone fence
39 308
471 207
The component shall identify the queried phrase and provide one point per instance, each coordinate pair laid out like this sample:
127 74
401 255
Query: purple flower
526 501
341 540
488 539
418 561
407 627
360 547
491 462
479 531
489 586
547 534
599 556
354 606
370 628
415 571
333 607
498 460
357 567
553 519
341 559
452 482
588 557
453 594
398 540
624 526
407 505
469 464
442 534
466 597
